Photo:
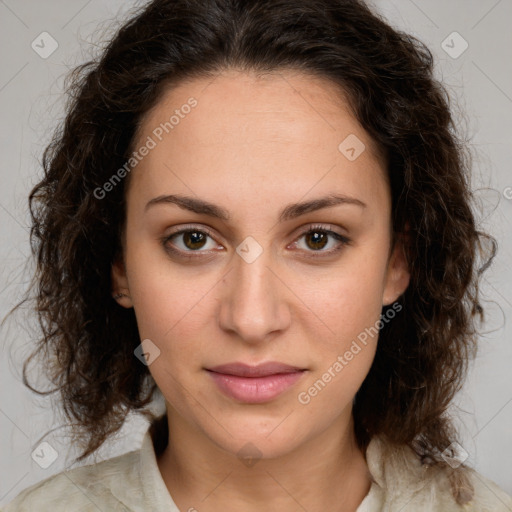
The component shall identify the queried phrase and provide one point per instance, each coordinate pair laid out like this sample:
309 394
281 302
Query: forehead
285 126
286 95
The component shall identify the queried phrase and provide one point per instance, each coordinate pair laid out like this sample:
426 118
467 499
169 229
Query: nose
254 301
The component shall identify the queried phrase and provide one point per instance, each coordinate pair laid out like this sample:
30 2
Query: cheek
171 309
349 305
348 299
167 297
351 309
172 312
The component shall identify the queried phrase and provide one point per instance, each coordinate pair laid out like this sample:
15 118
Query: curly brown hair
89 340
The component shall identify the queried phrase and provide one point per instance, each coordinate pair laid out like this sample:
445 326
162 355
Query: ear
120 288
397 274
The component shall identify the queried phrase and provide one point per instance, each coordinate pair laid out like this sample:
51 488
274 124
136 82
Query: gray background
480 82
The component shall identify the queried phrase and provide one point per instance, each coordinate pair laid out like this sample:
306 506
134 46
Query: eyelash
344 241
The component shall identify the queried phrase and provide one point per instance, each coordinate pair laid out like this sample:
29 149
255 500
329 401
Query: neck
328 472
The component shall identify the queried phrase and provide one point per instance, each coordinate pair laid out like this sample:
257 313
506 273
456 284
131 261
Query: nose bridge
253 304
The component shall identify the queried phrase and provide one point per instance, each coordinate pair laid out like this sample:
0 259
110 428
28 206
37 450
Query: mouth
255 384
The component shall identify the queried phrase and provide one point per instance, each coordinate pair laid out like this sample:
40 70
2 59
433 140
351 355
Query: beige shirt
132 483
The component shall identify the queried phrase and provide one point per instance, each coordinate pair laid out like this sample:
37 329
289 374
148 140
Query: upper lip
260 370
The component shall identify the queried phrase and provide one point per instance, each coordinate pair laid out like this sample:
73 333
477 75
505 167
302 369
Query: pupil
318 240
192 238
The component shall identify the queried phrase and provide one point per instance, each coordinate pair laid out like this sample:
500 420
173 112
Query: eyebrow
291 211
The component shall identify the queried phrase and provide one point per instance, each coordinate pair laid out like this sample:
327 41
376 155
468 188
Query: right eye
190 239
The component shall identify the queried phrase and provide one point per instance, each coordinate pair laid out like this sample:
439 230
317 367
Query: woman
260 210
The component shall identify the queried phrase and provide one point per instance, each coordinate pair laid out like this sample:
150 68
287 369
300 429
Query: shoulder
404 482
101 486
488 496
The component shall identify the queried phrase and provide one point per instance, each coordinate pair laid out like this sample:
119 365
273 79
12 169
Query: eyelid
327 228
192 227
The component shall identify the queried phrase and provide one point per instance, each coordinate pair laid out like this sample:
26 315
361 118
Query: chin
260 438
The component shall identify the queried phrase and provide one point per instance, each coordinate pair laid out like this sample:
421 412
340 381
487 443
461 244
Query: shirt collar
153 485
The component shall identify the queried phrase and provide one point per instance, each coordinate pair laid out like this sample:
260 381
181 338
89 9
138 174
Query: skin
253 145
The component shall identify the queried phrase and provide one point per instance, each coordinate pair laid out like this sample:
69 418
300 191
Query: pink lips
255 384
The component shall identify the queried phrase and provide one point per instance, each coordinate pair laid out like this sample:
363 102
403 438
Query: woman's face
247 166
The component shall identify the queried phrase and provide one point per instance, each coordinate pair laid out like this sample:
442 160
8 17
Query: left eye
316 239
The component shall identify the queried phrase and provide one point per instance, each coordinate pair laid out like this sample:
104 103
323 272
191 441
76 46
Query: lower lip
255 390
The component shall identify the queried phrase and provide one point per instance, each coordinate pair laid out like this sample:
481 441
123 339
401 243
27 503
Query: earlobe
120 288
398 274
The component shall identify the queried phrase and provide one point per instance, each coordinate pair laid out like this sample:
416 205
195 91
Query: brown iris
194 239
317 238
